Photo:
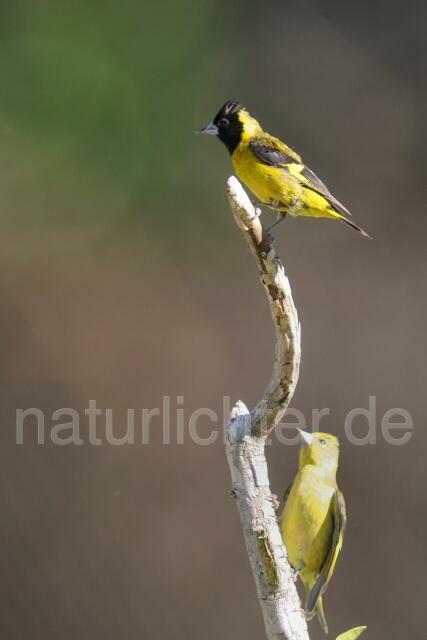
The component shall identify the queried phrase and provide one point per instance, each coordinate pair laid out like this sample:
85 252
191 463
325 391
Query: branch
245 439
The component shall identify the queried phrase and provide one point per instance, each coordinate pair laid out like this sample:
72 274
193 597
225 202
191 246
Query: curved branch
272 406
246 433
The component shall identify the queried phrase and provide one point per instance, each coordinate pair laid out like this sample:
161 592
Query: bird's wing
274 153
308 179
322 581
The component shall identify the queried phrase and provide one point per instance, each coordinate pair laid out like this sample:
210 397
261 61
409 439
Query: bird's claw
274 501
297 570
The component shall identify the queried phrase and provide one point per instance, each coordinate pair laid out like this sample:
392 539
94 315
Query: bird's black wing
315 181
322 581
272 152
312 182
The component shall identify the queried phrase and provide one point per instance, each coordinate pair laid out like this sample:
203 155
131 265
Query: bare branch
272 406
246 434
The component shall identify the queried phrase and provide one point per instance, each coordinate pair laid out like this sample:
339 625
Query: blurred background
124 279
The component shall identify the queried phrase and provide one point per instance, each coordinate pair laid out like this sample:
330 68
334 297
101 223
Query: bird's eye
322 441
223 123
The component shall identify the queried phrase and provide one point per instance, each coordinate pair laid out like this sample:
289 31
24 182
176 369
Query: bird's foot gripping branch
246 434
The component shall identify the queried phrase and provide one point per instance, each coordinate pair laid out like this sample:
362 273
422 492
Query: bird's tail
351 224
321 615
318 609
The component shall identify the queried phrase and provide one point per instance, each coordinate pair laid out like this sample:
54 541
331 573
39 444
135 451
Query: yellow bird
273 172
314 518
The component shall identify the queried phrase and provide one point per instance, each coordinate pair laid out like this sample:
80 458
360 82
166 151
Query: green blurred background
124 278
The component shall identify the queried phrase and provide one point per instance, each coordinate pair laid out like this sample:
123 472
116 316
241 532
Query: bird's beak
210 129
306 437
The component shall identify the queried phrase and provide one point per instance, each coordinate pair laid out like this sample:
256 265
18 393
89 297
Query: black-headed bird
273 172
314 518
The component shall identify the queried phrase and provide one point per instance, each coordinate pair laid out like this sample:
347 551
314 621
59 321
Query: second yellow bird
273 172
313 519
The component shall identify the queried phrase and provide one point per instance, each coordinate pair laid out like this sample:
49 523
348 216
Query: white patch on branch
245 442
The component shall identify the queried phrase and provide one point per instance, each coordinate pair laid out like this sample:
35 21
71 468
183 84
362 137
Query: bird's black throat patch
230 128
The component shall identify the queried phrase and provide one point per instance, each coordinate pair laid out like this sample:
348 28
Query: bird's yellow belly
270 185
307 527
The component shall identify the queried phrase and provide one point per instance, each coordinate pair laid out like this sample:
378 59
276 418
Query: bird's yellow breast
268 184
307 522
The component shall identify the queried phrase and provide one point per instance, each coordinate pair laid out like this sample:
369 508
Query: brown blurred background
124 279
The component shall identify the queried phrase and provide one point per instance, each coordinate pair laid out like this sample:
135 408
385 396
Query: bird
274 173
313 520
